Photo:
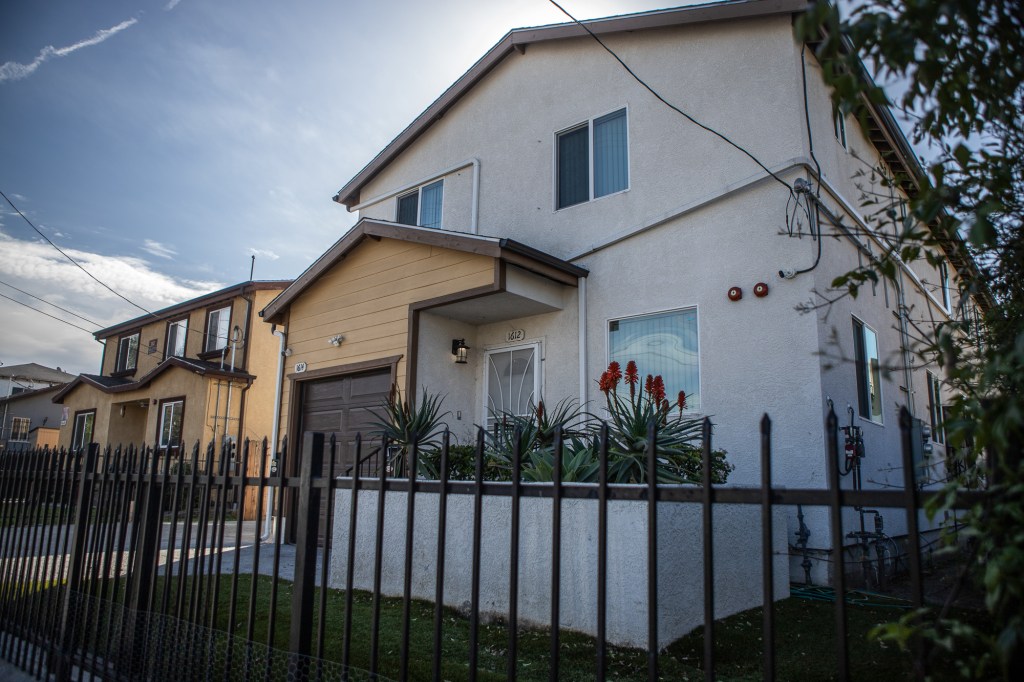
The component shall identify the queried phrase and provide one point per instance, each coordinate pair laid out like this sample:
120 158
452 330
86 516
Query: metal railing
126 563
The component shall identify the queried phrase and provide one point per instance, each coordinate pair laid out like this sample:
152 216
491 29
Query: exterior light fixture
460 350
336 340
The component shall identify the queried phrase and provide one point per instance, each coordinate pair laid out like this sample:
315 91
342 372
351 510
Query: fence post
307 531
77 566
149 519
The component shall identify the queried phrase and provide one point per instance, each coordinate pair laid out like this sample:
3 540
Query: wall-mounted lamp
288 352
460 350
122 411
336 340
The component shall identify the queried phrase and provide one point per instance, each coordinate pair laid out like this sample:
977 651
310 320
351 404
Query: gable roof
507 250
518 39
211 298
32 370
34 393
121 385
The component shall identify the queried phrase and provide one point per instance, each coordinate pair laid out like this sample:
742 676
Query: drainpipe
235 334
474 226
581 296
905 352
275 428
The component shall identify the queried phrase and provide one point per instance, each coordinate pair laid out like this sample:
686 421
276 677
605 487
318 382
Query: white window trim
881 416
28 429
590 170
74 428
944 287
538 382
418 191
117 357
168 351
227 339
666 311
163 406
839 128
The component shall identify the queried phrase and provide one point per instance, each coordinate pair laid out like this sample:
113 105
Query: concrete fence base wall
737 555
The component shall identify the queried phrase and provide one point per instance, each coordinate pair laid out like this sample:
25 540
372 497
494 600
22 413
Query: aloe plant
405 424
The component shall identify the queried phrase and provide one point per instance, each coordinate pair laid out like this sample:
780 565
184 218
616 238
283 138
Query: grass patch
805 641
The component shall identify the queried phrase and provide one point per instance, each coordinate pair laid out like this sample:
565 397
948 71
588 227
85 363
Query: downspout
474 225
276 427
581 298
908 376
235 334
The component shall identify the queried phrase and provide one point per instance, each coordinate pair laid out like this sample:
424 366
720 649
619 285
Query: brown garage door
343 406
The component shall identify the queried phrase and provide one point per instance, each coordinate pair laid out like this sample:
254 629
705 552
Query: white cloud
16 71
264 253
157 249
171 5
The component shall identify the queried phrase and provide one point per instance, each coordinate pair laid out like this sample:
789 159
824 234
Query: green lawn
805 641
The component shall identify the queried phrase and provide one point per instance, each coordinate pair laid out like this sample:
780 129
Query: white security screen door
512 382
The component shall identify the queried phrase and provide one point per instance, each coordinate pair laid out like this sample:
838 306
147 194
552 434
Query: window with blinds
663 343
592 159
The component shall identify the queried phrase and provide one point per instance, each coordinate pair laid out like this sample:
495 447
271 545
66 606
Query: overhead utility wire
671 106
69 312
77 264
72 324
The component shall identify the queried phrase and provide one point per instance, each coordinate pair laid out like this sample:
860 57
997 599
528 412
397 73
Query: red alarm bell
760 290
735 293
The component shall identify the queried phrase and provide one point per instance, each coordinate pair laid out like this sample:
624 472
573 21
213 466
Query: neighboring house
30 419
19 379
552 215
200 371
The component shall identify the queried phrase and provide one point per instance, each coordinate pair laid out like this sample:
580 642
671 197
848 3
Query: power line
69 312
671 106
54 317
77 264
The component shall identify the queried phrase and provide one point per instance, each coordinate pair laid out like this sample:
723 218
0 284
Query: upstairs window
422 206
19 429
869 371
127 353
944 284
177 331
592 160
935 409
839 126
218 326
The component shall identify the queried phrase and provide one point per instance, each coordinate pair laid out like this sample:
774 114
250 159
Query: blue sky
162 143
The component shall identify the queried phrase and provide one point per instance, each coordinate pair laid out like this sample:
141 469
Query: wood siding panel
366 298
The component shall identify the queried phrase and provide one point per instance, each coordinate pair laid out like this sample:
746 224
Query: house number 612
516 335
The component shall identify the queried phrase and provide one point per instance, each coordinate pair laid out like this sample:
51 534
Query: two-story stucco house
550 214
200 371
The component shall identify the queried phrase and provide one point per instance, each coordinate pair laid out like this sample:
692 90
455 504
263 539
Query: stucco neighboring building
30 420
552 215
200 371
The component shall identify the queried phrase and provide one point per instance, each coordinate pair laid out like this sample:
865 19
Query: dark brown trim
127 372
518 39
182 363
190 305
517 253
205 353
496 287
159 422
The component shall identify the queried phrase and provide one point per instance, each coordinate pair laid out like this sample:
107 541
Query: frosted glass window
665 344
512 382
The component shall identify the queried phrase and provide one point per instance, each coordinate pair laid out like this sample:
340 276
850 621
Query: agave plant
677 434
534 433
405 424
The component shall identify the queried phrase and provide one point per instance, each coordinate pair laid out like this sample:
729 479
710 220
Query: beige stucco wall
366 299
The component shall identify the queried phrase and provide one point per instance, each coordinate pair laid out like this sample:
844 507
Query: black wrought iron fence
124 563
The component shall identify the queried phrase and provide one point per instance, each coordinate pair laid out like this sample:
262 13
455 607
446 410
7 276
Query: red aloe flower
658 389
615 371
605 383
649 385
540 410
681 401
632 374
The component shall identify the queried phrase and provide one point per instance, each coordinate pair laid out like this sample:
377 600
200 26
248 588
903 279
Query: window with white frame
81 435
592 159
127 353
944 285
177 331
935 408
663 343
422 206
512 381
869 371
19 429
218 326
171 413
839 126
